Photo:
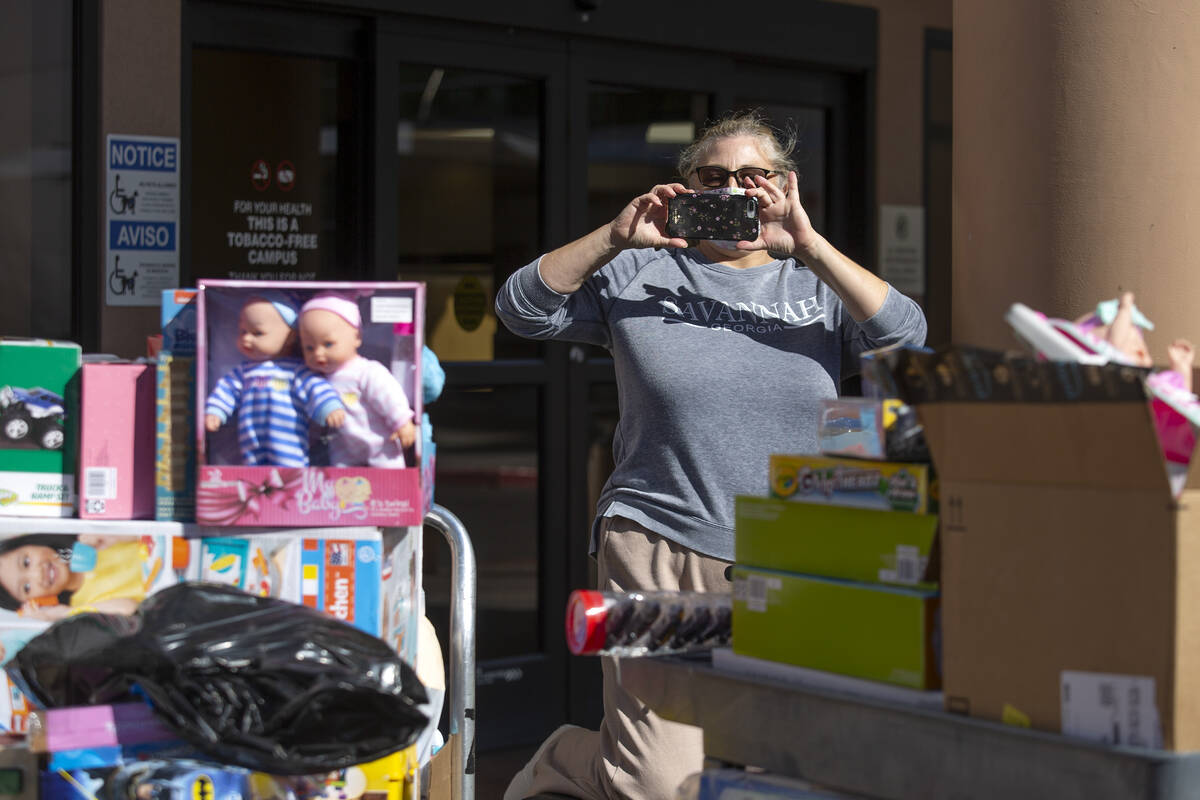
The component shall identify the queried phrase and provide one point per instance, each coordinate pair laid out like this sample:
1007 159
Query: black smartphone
730 217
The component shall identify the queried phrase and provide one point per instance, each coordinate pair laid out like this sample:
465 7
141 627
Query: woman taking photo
723 352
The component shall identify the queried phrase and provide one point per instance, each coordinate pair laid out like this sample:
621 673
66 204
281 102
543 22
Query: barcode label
1113 709
908 564
100 483
757 587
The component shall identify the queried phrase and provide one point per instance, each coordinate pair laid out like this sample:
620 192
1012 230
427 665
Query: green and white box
857 544
39 404
880 633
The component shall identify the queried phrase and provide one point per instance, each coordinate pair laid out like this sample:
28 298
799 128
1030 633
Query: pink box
296 483
116 440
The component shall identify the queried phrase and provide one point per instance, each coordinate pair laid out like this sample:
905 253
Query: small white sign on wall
902 248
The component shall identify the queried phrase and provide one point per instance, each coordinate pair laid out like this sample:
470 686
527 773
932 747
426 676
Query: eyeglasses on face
714 176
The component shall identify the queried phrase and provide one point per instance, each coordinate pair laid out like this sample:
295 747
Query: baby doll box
1068 562
230 493
38 423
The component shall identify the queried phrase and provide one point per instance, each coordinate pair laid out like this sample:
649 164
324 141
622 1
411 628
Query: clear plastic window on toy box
309 403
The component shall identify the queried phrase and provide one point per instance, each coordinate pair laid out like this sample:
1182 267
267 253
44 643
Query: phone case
713 216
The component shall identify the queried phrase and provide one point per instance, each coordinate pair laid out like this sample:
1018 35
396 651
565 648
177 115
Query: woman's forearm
862 292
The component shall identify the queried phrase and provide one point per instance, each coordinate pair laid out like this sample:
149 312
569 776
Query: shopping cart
460 664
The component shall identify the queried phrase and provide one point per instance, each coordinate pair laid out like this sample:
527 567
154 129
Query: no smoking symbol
285 176
260 175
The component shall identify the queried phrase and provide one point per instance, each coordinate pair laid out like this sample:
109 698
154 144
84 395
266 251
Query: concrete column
1076 162
140 73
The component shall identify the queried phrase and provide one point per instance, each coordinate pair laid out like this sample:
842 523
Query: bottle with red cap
646 623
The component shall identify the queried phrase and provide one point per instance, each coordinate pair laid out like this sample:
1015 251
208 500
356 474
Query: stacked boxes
837 569
341 539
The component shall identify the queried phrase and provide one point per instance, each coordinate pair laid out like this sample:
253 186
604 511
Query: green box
880 633
856 544
39 409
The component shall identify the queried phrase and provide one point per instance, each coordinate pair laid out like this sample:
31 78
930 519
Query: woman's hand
784 226
643 223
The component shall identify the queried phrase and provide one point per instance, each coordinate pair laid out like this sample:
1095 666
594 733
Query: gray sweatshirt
717 368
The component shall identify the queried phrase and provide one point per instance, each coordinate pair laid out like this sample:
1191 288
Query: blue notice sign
142 216
125 235
150 156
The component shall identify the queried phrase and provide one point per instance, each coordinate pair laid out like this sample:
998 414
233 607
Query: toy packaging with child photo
309 403
49 576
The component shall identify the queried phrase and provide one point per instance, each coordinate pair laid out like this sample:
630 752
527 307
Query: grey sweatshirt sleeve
530 308
898 321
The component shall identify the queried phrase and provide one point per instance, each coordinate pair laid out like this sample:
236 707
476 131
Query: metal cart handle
460 667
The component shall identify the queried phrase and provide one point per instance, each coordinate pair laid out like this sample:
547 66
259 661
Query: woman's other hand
784 226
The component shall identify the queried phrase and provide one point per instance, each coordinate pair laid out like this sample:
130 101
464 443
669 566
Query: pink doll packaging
309 403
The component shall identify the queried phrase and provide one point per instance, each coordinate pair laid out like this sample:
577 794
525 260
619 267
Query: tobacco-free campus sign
141 254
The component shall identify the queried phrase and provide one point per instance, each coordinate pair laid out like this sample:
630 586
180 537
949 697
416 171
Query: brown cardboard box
1063 549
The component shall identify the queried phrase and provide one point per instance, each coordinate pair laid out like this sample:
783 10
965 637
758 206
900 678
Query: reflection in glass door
468 213
274 184
468 199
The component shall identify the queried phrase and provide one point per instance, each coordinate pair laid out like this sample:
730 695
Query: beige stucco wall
139 59
1076 168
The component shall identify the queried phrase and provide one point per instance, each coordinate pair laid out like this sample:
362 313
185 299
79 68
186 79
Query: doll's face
33 570
328 341
262 333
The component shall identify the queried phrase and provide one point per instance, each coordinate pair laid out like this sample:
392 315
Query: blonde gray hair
777 146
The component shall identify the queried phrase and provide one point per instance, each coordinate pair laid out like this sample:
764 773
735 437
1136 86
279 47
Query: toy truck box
301 487
38 409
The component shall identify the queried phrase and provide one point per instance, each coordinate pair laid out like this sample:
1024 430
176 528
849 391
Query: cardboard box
116 441
883 485
336 570
231 493
1064 551
866 631
857 544
38 422
175 403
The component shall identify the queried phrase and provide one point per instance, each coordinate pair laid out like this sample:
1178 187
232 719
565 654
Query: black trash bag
252 681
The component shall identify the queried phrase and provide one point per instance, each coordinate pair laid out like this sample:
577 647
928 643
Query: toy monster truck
35 413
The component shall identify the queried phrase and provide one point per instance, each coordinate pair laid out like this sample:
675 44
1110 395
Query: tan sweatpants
635 755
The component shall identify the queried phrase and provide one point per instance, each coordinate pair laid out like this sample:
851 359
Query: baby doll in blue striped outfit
273 393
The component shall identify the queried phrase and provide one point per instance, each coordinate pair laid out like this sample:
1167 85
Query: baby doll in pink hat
379 419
